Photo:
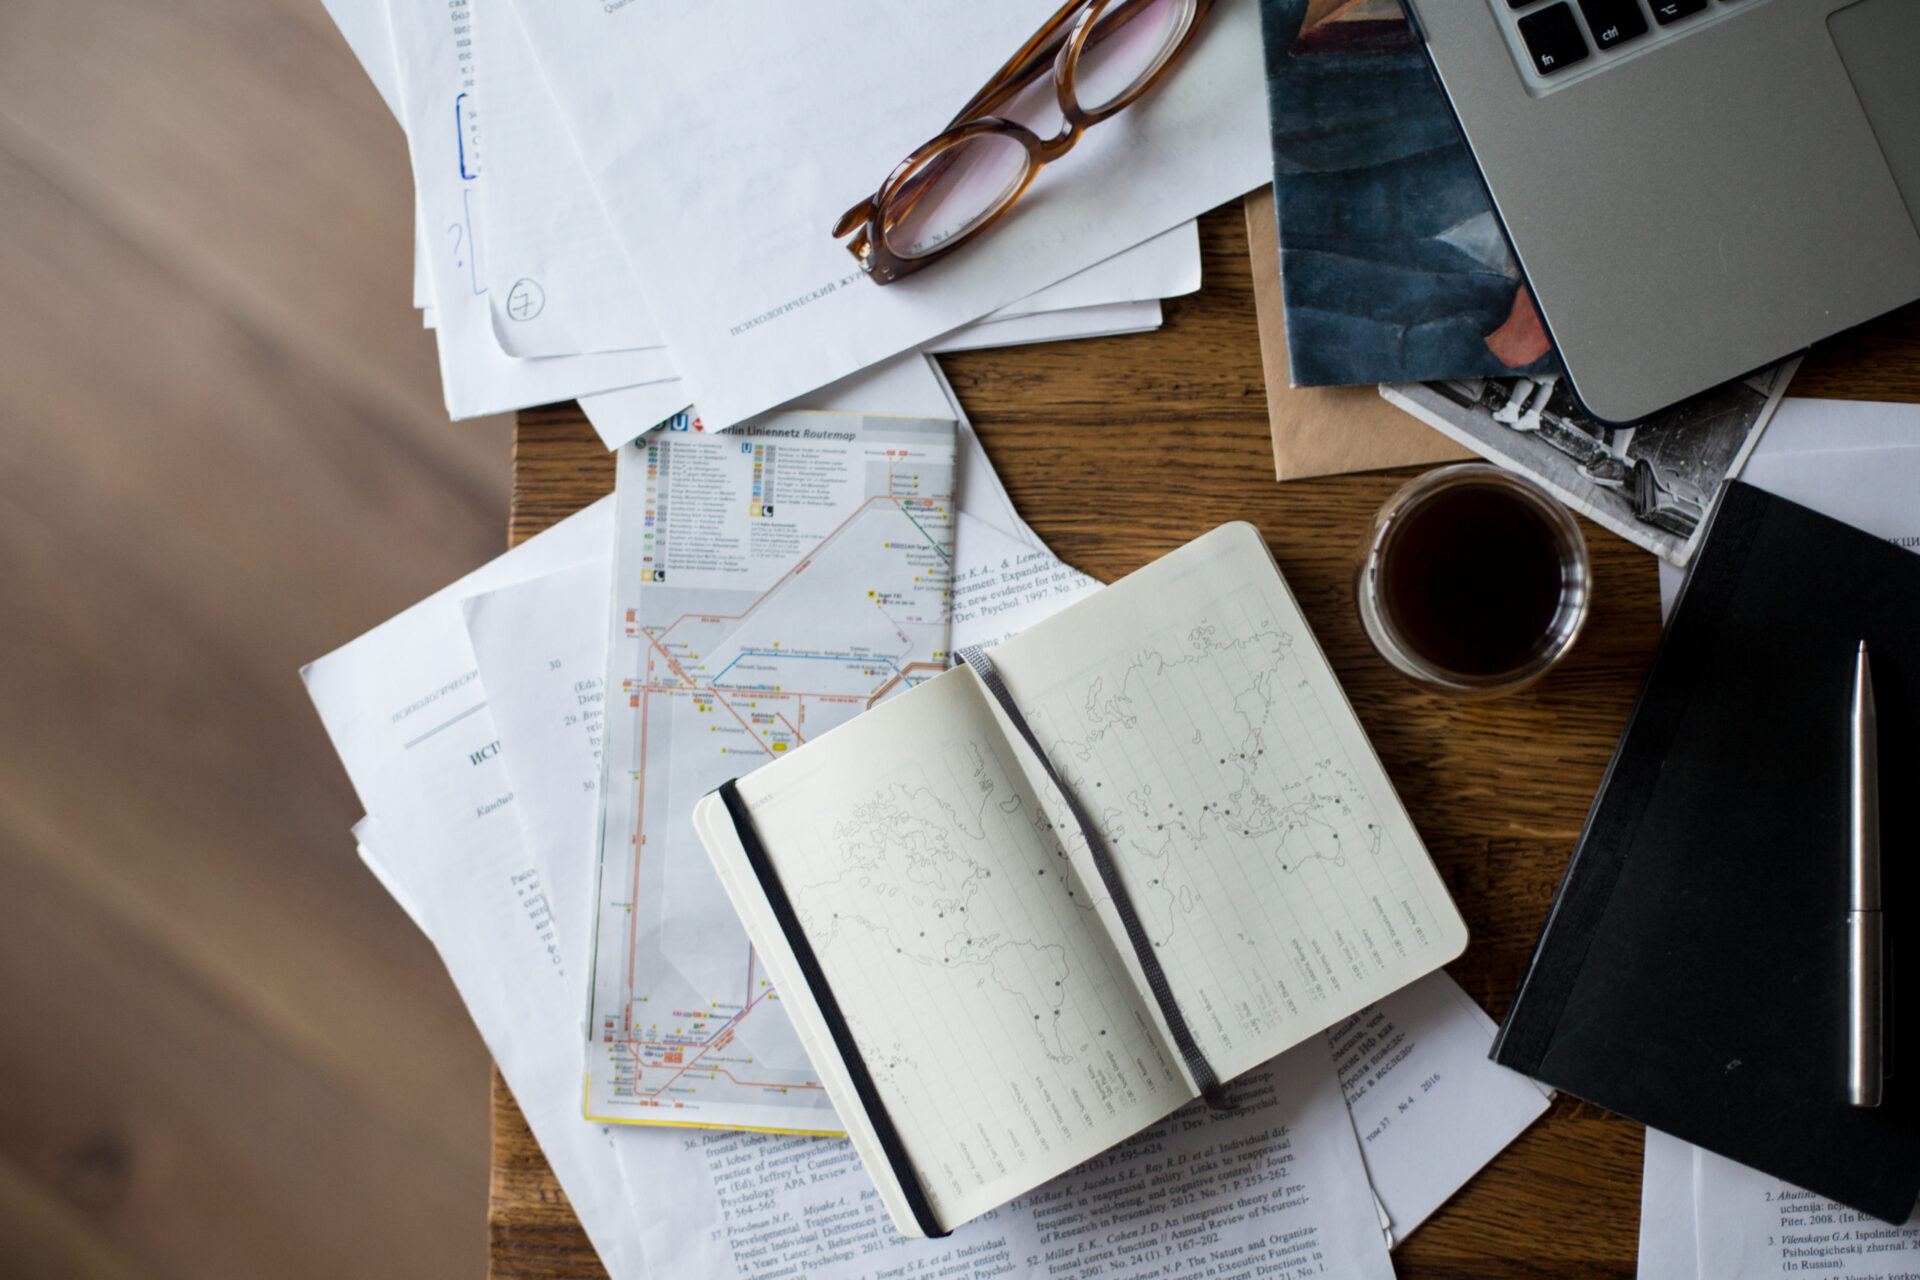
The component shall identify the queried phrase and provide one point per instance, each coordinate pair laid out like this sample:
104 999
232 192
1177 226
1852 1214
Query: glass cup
1473 580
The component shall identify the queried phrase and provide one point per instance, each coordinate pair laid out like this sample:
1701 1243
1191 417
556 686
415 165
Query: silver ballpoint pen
1865 1064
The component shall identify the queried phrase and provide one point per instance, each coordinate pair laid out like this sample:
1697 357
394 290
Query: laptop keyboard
1562 40
1613 21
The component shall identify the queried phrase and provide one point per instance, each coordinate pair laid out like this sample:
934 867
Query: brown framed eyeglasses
1103 54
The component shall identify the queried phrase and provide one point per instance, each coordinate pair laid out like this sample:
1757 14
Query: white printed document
554 294
1104 321
1854 460
1165 266
557 281
409 717
1704 1217
1002 586
769 584
1667 1245
540 648
560 284
1429 1106
1274 1189
1749 1226
726 211
1809 424
435 62
1877 490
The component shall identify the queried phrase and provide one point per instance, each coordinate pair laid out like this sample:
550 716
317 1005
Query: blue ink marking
460 134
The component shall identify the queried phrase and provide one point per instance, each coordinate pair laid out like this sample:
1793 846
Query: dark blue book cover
1393 266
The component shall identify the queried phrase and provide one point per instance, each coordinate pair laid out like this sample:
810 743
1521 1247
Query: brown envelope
1319 431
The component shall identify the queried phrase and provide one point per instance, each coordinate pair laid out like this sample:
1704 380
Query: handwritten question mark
459 233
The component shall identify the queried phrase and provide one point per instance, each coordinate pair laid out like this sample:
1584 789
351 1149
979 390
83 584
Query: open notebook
939 929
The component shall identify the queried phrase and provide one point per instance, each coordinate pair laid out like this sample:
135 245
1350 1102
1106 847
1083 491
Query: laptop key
1665 11
1553 38
1612 21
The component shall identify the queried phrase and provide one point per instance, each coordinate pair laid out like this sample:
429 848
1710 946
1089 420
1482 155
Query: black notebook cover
1692 971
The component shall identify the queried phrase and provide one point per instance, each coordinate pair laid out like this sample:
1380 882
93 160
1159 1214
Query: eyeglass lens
1128 44
953 190
971 180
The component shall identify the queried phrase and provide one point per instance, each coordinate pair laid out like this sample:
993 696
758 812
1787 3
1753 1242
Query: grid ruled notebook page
992 1010
1192 713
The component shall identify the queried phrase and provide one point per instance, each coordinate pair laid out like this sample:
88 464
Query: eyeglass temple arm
1024 67
862 212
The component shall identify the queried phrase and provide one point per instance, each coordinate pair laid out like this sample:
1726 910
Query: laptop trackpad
1879 42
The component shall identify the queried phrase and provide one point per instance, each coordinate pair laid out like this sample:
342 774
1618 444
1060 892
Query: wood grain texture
1118 450
224 1051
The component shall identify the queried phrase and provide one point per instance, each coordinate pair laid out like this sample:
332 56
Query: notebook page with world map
1191 711
957 920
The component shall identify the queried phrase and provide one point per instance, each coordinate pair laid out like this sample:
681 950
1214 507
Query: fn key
1553 38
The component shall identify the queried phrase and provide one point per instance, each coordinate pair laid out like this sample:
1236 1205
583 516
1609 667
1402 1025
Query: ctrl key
1553 38
1612 21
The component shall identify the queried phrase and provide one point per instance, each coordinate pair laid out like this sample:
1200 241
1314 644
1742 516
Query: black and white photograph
1652 482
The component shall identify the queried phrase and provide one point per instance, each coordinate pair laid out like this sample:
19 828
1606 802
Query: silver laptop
1695 188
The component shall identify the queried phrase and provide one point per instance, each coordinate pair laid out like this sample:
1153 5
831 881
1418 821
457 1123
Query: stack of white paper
631 204
472 726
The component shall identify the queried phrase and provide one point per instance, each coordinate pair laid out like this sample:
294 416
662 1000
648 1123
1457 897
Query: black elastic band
1197 1065
816 980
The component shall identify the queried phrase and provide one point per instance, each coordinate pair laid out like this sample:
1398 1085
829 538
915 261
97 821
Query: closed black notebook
1692 971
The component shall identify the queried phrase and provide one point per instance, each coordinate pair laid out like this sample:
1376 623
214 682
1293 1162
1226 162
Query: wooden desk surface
1118 450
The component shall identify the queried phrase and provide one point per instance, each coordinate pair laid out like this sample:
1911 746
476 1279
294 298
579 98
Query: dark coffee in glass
1473 580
